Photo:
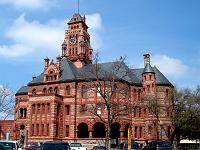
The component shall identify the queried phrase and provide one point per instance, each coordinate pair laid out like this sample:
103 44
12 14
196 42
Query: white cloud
29 4
170 67
36 35
94 23
45 38
14 50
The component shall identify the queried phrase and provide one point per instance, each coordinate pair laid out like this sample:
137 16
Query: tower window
34 91
68 90
145 78
150 77
84 91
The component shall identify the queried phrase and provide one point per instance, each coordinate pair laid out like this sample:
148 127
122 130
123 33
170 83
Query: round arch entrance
114 131
99 130
82 131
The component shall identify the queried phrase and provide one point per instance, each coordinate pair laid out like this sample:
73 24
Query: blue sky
31 30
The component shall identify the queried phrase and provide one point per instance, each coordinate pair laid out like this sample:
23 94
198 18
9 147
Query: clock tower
76 46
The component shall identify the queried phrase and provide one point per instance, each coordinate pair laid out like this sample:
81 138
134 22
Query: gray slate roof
22 90
78 18
148 69
118 70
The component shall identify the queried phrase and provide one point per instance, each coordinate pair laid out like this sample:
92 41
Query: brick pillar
40 121
35 122
45 120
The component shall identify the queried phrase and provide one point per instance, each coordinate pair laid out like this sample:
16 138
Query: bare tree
109 82
155 108
6 102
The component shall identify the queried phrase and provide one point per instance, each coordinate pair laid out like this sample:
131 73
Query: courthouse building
53 105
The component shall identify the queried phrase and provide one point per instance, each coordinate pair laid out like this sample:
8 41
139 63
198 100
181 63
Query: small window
140 112
150 77
67 109
148 88
51 72
33 109
167 93
47 129
150 130
34 91
136 131
45 90
56 90
48 108
50 90
68 90
84 91
67 130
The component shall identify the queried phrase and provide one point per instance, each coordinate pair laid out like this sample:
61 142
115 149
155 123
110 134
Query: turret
46 63
148 76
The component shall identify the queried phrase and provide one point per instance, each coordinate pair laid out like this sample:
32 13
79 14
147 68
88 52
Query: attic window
51 72
74 19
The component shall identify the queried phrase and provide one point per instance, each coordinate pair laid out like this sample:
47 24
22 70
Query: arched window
68 90
84 91
45 90
56 90
34 91
50 90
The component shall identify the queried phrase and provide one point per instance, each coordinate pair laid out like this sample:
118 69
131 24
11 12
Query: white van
10 145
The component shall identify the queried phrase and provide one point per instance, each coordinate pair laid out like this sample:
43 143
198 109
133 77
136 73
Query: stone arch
99 130
82 130
22 127
115 130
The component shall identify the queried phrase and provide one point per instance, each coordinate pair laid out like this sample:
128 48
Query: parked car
10 145
56 145
124 146
99 148
33 146
77 146
159 145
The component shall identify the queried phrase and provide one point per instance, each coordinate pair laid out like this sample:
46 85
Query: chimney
33 77
58 61
146 59
46 63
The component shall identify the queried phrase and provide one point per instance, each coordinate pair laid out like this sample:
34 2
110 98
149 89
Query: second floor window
67 107
84 91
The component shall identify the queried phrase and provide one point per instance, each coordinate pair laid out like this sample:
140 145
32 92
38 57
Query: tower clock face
73 40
